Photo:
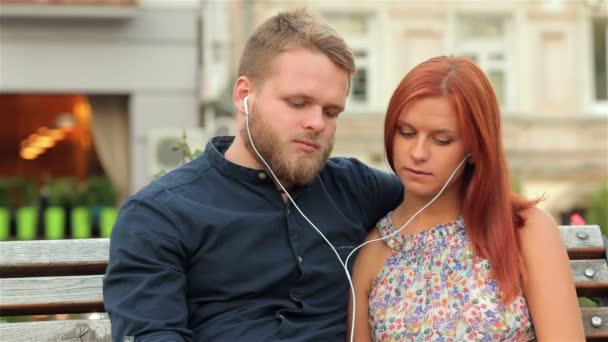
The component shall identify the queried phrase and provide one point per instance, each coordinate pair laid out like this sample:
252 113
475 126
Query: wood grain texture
68 331
34 280
592 333
595 286
44 295
591 247
53 257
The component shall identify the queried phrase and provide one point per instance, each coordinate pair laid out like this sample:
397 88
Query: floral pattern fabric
432 288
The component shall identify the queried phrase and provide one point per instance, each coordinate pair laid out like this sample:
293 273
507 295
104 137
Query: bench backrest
51 277
65 276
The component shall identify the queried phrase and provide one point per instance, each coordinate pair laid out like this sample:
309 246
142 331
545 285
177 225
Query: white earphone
345 263
245 105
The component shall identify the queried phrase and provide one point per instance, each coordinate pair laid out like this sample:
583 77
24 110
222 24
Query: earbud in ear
245 105
469 159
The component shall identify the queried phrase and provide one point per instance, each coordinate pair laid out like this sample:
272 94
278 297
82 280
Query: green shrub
62 191
597 208
101 192
4 193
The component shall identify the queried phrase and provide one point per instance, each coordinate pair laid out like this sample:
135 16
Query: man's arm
145 284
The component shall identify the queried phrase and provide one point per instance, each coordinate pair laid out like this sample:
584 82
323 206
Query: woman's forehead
430 111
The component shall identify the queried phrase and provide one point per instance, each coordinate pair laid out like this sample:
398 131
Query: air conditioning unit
221 125
162 157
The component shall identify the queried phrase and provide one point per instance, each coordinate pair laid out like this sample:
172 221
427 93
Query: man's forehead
309 74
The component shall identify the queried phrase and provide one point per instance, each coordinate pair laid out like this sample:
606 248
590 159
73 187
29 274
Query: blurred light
42 130
56 134
95 316
44 141
29 153
82 108
31 138
65 121
32 150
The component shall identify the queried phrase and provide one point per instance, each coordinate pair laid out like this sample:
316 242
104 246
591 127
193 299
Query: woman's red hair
492 213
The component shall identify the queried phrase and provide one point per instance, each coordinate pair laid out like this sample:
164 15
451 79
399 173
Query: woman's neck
446 208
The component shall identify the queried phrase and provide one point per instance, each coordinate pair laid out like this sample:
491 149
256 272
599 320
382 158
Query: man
215 251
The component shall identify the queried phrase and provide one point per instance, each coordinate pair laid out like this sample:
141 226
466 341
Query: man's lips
306 145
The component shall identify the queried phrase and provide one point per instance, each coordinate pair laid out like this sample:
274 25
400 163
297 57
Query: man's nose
314 120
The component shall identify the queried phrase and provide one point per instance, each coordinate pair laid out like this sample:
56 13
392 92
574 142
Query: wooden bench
65 276
53 277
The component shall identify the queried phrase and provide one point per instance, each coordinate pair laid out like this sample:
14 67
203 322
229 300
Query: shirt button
262 175
300 260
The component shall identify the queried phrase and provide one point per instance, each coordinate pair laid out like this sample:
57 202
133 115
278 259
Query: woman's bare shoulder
538 221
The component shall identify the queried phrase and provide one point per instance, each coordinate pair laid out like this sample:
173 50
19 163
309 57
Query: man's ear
242 88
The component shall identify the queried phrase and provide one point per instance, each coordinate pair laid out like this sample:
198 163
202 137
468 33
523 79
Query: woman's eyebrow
402 124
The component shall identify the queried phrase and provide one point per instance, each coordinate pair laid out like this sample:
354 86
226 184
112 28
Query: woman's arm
367 265
549 289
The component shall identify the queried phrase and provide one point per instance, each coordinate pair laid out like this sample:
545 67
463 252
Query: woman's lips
417 173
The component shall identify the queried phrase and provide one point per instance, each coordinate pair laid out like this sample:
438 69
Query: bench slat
591 332
53 257
47 295
595 286
591 246
68 330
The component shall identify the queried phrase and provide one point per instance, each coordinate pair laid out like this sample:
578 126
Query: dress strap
385 228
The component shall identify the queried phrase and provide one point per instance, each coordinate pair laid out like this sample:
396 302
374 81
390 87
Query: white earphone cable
343 264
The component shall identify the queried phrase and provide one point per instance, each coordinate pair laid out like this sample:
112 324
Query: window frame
483 48
368 45
594 106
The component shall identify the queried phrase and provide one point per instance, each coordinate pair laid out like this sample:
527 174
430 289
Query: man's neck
238 153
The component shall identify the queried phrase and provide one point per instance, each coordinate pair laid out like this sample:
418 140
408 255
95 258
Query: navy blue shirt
211 252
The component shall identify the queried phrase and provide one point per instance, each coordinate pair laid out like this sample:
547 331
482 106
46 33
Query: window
599 34
356 28
483 39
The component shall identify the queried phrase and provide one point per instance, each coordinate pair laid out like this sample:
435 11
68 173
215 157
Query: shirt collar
214 152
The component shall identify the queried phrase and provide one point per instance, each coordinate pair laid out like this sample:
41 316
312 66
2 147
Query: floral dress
432 288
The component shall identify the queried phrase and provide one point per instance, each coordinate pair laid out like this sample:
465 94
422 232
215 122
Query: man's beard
285 165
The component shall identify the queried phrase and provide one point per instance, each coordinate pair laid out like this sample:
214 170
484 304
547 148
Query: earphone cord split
343 264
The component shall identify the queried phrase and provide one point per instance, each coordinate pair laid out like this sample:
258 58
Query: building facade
137 62
546 59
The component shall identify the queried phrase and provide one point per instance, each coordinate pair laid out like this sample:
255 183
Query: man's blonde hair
288 30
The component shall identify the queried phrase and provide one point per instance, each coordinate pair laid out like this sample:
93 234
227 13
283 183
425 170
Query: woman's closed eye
407 133
442 140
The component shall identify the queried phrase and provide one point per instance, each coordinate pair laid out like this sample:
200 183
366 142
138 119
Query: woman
479 263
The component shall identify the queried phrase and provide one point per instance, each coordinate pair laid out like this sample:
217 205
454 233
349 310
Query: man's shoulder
353 172
346 164
350 166
192 174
